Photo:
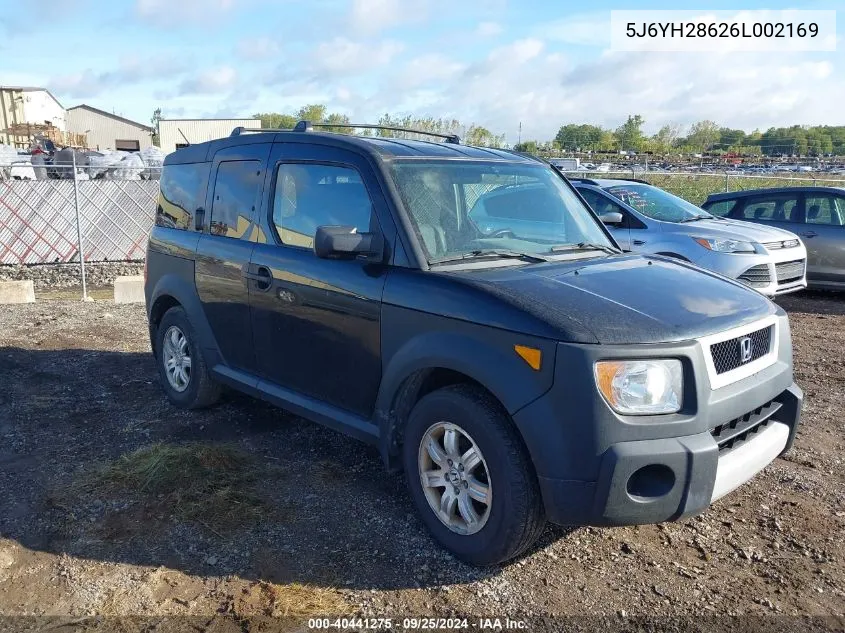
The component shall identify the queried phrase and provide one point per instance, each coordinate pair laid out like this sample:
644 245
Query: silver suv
647 219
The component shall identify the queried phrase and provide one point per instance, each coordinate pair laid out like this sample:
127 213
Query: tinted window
721 208
182 191
308 196
776 208
236 193
599 203
825 209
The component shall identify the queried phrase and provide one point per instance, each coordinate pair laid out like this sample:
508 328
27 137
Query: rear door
317 322
602 203
224 249
783 210
824 237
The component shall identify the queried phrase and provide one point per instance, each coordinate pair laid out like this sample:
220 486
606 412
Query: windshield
470 208
656 203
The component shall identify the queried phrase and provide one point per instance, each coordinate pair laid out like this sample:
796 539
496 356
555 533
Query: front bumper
598 468
771 273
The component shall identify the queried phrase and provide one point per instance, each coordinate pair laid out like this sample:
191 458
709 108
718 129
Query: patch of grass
293 600
214 485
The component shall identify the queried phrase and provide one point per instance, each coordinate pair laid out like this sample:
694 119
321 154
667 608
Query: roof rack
308 126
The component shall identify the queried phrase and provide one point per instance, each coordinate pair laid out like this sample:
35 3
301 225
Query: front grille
756 276
732 434
727 355
789 271
773 246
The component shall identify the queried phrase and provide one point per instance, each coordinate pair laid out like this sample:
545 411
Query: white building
104 130
173 133
23 106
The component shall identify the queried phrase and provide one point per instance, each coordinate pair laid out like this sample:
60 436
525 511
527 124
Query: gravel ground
47 276
80 390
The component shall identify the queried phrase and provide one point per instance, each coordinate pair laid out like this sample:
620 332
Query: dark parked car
515 380
816 214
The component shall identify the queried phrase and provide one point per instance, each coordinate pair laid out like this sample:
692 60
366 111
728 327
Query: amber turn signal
530 355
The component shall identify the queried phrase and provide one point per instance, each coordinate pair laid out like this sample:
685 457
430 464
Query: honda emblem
745 349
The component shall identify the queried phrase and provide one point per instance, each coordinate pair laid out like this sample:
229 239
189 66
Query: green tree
315 112
630 133
154 121
703 135
529 147
584 137
664 140
276 120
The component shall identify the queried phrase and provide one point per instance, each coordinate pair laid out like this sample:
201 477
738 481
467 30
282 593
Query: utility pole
519 140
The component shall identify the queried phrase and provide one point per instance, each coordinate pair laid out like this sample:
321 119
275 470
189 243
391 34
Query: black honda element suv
351 279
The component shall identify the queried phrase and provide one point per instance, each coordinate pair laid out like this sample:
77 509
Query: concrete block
17 292
129 289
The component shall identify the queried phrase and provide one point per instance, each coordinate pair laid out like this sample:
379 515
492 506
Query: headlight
725 246
641 387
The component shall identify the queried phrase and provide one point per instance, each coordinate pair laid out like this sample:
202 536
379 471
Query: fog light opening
650 482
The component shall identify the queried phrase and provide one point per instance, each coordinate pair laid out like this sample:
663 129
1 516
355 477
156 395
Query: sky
495 63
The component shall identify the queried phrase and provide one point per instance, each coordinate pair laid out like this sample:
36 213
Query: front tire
183 374
470 476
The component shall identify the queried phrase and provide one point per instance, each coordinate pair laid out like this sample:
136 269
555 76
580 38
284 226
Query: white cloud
181 13
130 71
212 81
256 49
425 69
488 29
544 90
342 55
590 29
374 16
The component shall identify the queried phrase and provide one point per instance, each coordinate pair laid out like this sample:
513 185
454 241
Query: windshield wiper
694 218
584 246
492 252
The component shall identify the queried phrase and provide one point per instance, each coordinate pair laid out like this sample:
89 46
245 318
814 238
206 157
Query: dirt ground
328 532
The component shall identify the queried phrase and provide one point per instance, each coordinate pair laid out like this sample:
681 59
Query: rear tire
183 373
487 460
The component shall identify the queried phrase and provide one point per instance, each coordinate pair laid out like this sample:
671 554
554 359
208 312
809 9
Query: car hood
734 229
625 299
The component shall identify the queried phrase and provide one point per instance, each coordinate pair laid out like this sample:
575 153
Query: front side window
236 192
656 203
599 203
826 209
308 196
463 207
774 208
722 208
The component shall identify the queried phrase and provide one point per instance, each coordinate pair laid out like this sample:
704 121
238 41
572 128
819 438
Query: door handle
638 242
262 277
809 234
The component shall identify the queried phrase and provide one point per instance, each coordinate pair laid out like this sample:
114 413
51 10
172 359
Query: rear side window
308 196
182 191
236 192
722 208
775 208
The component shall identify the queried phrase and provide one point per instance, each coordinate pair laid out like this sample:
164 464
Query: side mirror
344 242
611 217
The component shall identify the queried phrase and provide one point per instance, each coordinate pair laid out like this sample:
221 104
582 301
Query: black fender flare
183 292
491 363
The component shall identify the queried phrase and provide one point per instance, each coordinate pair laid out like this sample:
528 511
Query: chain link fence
55 217
695 187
